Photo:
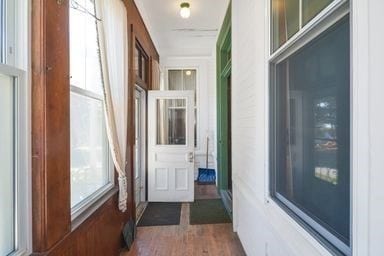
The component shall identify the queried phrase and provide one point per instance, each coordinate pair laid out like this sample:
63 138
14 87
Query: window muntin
91 173
310 139
290 16
8 165
184 79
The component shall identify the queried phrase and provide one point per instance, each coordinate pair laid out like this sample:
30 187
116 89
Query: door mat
160 214
210 211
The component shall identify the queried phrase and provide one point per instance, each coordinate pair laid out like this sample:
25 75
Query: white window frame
15 62
98 197
197 93
329 16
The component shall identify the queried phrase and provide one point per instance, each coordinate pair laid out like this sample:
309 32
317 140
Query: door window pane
7 165
312 133
89 148
312 8
285 21
171 121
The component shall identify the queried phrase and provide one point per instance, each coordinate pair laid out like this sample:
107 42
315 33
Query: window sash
87 202
306 34
94 94
20 168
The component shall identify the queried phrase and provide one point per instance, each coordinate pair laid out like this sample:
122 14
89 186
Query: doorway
224 127
140 151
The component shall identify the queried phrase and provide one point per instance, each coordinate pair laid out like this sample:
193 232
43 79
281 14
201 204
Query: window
289 16
14 135
141 64
91 172
310 131
184 79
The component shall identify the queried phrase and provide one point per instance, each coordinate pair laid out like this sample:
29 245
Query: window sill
76 222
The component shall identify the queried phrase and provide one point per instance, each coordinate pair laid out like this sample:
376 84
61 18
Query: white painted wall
206 102
263 227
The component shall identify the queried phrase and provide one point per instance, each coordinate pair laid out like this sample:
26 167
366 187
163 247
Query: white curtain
113 40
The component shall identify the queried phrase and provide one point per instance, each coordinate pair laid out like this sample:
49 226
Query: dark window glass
137 62
312 8
311 138
285 21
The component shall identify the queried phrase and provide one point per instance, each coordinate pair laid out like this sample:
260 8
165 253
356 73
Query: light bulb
185 11
188 72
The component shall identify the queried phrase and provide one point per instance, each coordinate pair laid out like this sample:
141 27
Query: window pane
285 21
312 8
89 148
144 68
171 121
313 129
84 49
137 137
189 78
175 80
7 165
137 62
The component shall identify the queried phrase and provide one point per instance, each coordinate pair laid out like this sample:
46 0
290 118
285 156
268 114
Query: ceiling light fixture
185 10
188 72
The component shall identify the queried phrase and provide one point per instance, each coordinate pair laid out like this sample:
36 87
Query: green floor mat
210 211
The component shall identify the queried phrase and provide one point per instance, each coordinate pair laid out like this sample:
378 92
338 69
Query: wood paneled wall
53 231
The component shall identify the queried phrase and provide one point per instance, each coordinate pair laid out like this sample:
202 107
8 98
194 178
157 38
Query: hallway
191 128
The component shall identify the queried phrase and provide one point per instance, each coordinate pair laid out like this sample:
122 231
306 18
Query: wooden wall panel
50 124
99 234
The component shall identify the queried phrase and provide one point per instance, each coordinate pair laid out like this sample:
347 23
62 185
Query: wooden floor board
186 240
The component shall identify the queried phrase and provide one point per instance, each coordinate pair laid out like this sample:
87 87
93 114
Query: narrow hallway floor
186 240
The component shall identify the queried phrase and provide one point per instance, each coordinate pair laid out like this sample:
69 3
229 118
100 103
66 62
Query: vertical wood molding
50 123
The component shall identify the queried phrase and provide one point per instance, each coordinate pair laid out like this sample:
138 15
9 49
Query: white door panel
170 146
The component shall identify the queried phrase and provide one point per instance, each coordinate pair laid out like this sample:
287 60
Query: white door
139 152
171 146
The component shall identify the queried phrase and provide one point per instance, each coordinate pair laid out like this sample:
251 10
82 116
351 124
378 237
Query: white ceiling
175 36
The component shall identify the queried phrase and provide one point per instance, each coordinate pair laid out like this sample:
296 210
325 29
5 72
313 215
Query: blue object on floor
206 176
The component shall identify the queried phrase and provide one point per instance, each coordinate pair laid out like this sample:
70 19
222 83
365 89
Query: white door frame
141 94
